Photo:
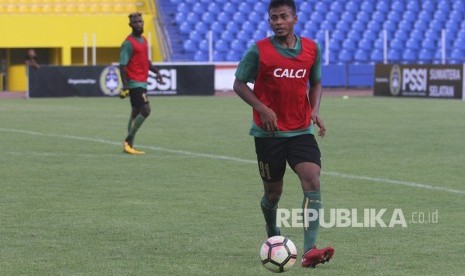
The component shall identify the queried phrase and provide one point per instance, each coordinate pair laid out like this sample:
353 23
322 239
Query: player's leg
304 158
140 111
272 165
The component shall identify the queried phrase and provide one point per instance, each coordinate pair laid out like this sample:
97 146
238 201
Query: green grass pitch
71 203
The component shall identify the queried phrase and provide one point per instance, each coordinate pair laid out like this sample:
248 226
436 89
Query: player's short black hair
134 14
279 3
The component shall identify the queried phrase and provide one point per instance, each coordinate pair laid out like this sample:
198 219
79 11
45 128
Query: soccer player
284 118
134 69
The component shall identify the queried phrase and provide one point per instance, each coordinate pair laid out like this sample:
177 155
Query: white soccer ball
278 254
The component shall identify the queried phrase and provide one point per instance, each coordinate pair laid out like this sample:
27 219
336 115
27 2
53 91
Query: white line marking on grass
241 160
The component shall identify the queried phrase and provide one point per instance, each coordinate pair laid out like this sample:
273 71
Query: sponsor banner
94 81
411 80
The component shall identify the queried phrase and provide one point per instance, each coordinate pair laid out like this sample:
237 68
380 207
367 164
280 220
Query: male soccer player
283 112
134 69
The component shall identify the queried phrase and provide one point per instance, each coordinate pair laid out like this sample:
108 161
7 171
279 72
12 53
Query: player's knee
145 110
273 197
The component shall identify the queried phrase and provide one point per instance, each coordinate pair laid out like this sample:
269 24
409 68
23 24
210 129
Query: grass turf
72 203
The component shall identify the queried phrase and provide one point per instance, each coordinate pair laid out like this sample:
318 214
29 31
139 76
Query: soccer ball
278 254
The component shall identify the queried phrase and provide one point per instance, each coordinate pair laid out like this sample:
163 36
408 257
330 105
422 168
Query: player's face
137 25
282 20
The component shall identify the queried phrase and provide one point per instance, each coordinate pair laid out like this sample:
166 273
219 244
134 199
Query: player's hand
269 119
318 121
124 93
159 78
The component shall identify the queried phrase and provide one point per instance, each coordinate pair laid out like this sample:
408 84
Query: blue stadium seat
409 55
338 35
402 34
229 8
393 55
367 6
337 7
409 16
428 44
342 26
365 45
444 6
441 16
344 56
332 17
358 26
195 36
412 44
398 6
378 16
458 55
377 56
326 25
320 7
204 45
208 17
352 7
223 17
190 46
350 44
214 8
428 5
192 18
200 56
421 25
382 7
198 8
459 6
217 27
347 17
361 56
232 27
459 44
259 7
218 56
202 27
363 16
233 56
221 46
396 44
426 55
237 45
413 6
370 35
185 28
228 36
183 7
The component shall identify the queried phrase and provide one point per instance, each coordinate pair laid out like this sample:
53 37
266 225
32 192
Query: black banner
94 81
414 80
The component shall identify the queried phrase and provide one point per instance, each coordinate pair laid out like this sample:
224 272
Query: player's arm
155 70
125 54
315 94
247 71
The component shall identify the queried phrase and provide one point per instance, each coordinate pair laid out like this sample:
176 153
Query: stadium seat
221 46
217 27
409 55
413 6
352 7
233 56
458 55
428 5
428 44
365 45
200 56
367 6
361 56
190 46
337 7
382 7
393 55
396 44
198 8
214 8
425 55
377 56
208 17
345 56
412 44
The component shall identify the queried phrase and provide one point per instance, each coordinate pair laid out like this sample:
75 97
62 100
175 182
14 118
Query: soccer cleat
130 150
123 94
316 256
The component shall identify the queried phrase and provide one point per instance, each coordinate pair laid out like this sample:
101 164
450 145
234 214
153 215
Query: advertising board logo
414 80
110 81
169 85
395 79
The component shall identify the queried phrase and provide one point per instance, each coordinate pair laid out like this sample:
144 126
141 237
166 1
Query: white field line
241 160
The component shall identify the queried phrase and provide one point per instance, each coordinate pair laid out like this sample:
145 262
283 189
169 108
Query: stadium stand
355 28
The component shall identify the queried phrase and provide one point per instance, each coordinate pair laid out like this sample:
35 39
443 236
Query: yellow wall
67 32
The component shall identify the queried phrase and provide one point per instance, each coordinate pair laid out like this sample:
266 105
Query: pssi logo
395 80
414 79
169 81
110 81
